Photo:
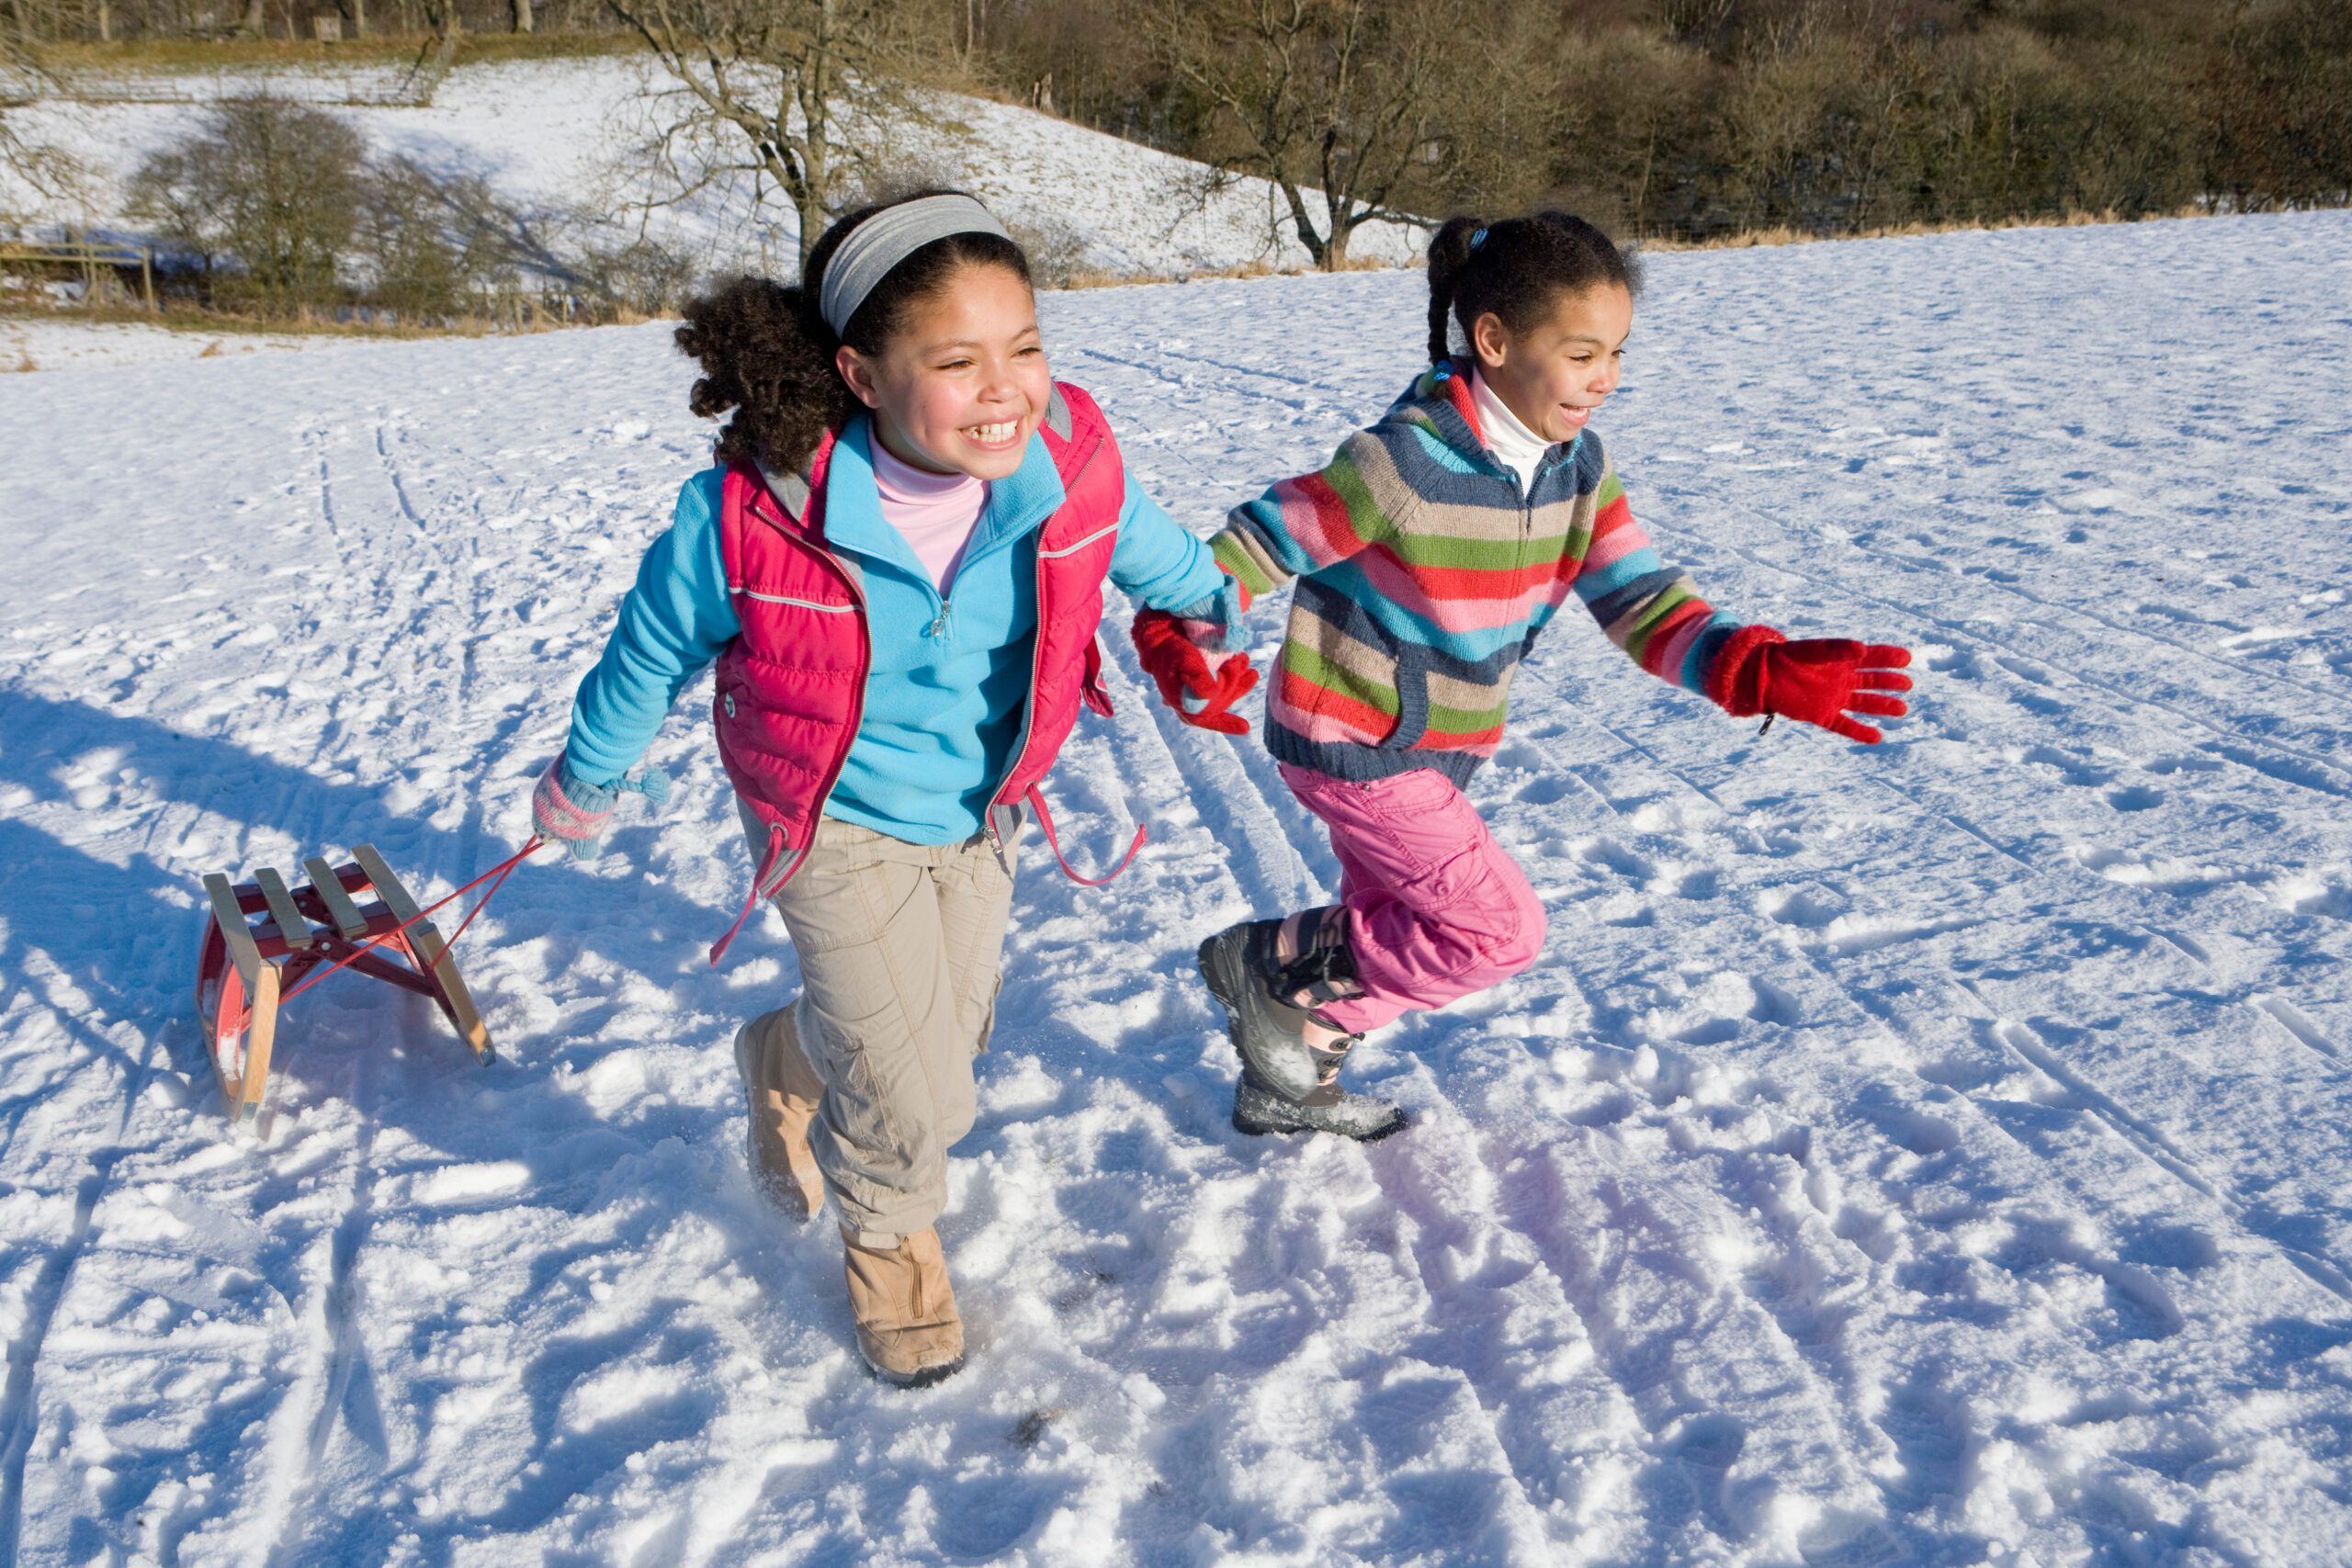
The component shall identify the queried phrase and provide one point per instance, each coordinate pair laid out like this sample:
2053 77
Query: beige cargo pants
900 948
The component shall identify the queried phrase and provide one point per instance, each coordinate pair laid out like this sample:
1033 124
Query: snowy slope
556 134
1932 1154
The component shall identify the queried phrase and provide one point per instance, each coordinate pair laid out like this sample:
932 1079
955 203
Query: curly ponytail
1517 269
768 355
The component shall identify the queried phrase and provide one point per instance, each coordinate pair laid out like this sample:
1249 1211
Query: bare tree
274 184
1363 102
777 89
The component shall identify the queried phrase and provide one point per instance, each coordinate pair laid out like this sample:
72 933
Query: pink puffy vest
791 687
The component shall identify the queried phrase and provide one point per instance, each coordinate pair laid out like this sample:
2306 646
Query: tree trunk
522 15
1317 246
815 94
808 198
256 22
1335 250
359 18
811 209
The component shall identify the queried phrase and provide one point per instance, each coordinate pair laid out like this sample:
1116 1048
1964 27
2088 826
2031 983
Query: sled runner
243 970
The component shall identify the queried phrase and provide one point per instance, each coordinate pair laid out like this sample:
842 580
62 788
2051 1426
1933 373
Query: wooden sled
243 969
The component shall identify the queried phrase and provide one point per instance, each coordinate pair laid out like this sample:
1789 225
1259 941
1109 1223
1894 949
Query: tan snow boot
784 1091
907 1325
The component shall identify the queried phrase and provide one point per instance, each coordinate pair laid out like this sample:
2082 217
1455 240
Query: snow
556 134
63 343
1931 1154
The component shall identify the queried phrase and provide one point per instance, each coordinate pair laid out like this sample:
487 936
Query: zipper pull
939 626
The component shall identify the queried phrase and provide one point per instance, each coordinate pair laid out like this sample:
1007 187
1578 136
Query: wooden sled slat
332 893
259 1036
292 924
234 932
257 997
427 942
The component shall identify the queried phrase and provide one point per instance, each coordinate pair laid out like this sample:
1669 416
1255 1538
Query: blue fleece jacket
950 677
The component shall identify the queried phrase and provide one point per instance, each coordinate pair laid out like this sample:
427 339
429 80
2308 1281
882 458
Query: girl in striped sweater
1427 555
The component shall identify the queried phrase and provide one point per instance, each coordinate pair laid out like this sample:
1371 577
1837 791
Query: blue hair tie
1478 238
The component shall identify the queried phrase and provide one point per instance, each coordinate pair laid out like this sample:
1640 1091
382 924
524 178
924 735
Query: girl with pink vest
896 563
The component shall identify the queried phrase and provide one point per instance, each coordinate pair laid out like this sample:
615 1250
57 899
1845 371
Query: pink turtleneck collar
935 513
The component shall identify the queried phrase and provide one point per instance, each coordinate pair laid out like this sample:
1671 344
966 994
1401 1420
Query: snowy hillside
1928 1154
558 133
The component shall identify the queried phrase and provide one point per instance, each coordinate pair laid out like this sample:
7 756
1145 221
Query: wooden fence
93 258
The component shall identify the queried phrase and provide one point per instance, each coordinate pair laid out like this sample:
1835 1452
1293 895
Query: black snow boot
1258 1109
1288 1086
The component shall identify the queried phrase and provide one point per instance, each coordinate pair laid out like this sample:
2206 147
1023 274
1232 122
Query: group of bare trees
1685 117
1353 109
2280 106
1679 118
1697 118
270 207
1836 117
1359 109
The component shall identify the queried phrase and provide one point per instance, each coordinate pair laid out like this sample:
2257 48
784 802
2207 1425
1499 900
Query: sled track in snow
2226 1213
1688 1444
18 1414
2017 1038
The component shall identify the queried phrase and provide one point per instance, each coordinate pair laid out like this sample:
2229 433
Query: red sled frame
242 970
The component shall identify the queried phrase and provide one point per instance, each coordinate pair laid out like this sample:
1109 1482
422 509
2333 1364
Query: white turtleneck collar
1520 448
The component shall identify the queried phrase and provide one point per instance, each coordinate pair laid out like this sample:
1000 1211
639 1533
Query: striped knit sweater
1424 577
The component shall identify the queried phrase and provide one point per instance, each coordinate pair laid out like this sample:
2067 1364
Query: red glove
1818 679
1199 695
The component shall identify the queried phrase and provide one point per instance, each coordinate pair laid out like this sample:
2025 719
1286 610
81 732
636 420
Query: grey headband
889 237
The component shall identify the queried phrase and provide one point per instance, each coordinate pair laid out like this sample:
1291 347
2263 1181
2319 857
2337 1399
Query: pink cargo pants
1436 909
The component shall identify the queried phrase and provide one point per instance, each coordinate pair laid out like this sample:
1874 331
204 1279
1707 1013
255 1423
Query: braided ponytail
1517 269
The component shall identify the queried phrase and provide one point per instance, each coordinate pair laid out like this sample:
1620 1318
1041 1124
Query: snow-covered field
1934 1154
558 134
64 342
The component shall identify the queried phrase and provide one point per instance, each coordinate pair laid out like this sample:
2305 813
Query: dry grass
1749 239
1098 279
304 323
